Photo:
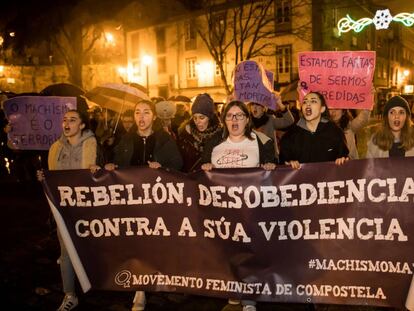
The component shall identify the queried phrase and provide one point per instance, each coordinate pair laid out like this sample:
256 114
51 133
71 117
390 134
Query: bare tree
75 40
246 28
69 26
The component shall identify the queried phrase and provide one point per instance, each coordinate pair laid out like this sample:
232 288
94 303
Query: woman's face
127 122
312 108
236 121
144 118
336 114
396 118
200 121
256 110
72 124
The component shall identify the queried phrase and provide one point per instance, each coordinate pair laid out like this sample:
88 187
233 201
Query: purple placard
252 84
36 120
271 77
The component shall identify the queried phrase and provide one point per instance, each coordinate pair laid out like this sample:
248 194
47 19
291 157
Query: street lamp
147 60
406 73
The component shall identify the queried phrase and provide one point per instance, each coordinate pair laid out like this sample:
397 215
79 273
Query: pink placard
344 78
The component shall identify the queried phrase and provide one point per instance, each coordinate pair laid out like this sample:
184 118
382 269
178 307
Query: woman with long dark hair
314 138
148 145
75 149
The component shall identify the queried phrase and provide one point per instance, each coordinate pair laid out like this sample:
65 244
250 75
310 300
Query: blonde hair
384 138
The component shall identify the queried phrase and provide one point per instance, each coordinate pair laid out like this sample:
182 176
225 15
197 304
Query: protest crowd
189 135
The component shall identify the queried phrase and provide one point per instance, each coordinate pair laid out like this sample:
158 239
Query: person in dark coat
193 134
314 138
148 145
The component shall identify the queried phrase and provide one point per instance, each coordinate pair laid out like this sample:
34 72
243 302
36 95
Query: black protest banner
321 234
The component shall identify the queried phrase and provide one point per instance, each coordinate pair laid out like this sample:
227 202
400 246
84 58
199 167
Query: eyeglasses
238 116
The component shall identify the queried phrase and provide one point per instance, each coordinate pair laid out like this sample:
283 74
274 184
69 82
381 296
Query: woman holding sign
314 138
75 149
148 145
194 133
395 136
239 147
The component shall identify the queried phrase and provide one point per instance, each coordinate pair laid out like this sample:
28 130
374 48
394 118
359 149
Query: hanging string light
381 20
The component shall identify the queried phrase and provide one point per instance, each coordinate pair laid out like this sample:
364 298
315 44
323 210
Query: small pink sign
344 78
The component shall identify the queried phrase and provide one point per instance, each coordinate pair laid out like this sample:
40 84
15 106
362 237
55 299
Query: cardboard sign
253 84
344 78
36 120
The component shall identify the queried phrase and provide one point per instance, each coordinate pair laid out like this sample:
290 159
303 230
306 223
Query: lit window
190 64
284 59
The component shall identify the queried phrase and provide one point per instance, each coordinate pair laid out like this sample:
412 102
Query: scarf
259 122
201 137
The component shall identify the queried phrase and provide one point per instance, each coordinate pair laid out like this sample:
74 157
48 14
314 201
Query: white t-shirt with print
229 154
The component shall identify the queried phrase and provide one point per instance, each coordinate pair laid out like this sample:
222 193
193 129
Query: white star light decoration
381 20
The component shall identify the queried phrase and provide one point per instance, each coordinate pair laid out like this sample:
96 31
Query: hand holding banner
344 78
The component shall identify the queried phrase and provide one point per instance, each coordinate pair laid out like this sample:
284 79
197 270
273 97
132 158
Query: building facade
182 63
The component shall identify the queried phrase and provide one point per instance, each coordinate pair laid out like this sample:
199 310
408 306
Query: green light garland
405 18
381 20
347 24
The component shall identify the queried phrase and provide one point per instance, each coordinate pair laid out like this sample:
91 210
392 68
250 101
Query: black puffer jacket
327 143
165 151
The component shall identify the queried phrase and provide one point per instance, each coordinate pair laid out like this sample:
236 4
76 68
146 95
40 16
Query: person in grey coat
267 123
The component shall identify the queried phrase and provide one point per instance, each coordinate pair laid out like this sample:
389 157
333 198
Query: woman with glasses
194 133
314 138
239 147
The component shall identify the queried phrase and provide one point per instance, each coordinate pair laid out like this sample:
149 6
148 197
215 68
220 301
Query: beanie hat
396 101
165 109
203 104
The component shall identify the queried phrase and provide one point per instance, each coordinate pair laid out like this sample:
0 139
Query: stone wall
27 79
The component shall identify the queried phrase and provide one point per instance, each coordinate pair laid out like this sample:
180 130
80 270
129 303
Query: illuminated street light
406 73
109 37
147 60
